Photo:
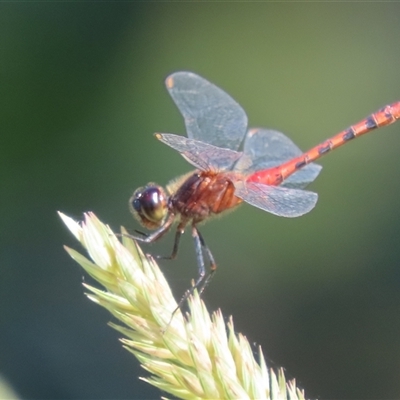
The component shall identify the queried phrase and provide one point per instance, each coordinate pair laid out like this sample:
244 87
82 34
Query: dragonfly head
149 205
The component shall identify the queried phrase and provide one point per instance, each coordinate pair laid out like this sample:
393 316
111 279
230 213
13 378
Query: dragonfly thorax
203 194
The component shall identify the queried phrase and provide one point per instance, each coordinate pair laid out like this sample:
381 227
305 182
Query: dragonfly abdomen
275 176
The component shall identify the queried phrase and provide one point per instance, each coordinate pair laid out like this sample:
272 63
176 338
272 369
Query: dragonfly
261 167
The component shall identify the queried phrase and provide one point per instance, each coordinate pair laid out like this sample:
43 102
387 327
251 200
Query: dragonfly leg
142 234
157 234
202 280
198 245
213 266
179 232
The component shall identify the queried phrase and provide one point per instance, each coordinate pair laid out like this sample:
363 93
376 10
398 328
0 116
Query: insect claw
160 257
142 233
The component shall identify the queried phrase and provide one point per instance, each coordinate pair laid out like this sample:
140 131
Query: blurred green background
82 93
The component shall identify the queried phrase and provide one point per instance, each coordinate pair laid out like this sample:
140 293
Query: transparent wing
278 200
266 148
202 155
210 114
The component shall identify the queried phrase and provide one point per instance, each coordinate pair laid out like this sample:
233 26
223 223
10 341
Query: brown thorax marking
200 194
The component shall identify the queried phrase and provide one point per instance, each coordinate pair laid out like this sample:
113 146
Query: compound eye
149 205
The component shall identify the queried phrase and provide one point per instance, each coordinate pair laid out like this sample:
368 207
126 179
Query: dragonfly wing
210 114
278 200
266 148
202 155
